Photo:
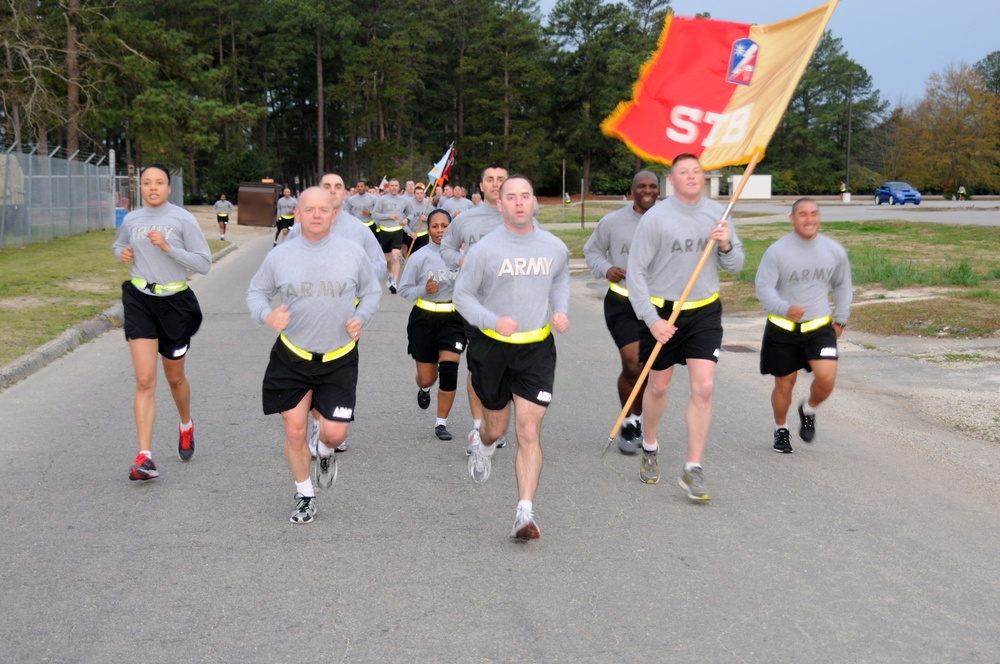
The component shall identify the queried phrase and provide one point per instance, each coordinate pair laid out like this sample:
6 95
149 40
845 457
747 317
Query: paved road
876 543
978 212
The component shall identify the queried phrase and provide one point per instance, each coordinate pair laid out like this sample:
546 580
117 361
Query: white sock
488 451
524 506
441 421
646 447
688 467
806 408
476 424
323 450
185 427
631 419
780 426
148 453
305 489
425 390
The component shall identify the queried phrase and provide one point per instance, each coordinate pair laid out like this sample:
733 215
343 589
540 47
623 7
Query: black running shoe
782 442
305 509
807 428
143 468
442 432
423 399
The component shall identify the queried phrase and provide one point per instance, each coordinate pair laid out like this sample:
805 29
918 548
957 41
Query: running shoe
501 442
628 441
423 399
392 287
525 527
692 482
185 444
649 471
341 448
324 471
442 432
782 442
305 509
807 428
473 442
143 468
479 465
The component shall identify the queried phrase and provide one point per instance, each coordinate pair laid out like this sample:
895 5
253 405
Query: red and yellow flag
716 89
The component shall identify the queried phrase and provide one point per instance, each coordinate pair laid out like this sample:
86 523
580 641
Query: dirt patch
864 296
23 302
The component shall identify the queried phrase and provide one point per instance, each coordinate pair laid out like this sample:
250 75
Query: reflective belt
807 326
370 222
316 357
615 288
698 304
390 229
521 337
422 233
286 217
223 216
157 289
439 307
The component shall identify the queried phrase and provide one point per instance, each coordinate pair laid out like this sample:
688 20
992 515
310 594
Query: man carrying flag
667 244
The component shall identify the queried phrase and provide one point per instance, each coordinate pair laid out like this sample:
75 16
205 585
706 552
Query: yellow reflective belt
792 326
172 287
422 233
369 222
312 357
390 229
697 304
223 216
287 216
615 288
427 305
521 337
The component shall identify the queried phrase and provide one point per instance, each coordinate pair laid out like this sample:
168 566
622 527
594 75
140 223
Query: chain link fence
46 196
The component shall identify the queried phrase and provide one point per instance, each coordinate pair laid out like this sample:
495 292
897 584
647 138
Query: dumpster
257 203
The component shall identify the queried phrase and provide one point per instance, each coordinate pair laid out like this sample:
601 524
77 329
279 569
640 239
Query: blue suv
897 193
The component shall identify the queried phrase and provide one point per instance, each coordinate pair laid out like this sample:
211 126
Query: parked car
897 193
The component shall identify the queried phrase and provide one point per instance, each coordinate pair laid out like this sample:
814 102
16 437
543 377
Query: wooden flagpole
709 248
426 205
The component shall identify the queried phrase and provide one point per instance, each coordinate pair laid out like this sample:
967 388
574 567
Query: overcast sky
900 43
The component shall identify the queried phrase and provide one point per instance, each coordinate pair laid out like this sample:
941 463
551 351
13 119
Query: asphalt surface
875 543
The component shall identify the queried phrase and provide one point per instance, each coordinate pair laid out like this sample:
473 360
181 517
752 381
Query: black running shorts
621 320
430 332
390 240
698 337
783 352
334 384
286 223
170 319
501 370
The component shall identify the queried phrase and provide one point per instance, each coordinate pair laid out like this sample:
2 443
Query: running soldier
514 287
222 208
435 332
162 243
607 253
284 217
361 204
794 280
460 236
416 231
329 292
392 212
667 246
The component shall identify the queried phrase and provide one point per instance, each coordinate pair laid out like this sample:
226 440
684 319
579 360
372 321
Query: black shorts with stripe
698 336
429 332
501 370
334 384
170 319
390 240
783 352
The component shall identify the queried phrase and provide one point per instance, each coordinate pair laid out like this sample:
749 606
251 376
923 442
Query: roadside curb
108 319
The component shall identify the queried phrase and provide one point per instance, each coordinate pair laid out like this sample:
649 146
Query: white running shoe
479 465
525 527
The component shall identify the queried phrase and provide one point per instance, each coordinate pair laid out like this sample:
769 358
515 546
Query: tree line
236 91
